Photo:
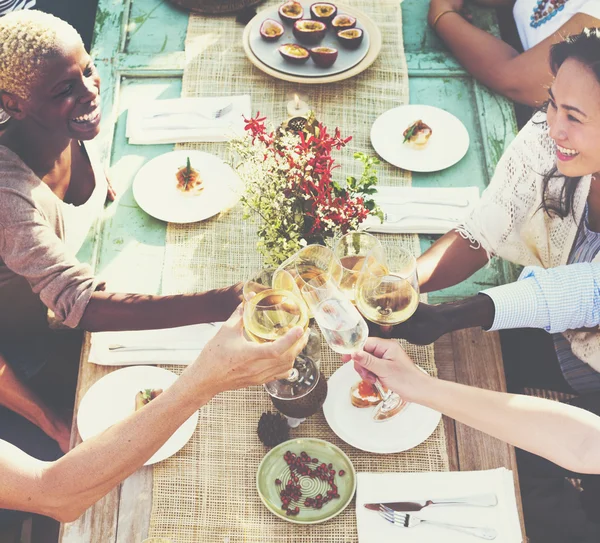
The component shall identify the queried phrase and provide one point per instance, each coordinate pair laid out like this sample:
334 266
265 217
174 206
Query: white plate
448 143
356 427
268 51
155 187
112 399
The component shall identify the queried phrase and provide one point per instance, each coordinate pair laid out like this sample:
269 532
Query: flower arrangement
290 186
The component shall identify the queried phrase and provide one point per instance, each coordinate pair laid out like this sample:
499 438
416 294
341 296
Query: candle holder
298 108
308 124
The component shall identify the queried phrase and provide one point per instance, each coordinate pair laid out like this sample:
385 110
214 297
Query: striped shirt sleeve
555 299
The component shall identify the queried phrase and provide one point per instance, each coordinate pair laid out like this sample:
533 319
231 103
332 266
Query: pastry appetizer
364 394
417 134
145 396
188 179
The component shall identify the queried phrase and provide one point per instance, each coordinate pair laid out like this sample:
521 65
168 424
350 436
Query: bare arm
17 397
450 260
523 77
564 434
65 488
116 311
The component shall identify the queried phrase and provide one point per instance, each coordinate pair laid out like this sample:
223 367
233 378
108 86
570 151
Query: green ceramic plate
274 467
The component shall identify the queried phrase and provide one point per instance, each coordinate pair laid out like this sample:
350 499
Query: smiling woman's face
66 99
574 119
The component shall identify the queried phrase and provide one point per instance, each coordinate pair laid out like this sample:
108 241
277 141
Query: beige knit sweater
34 262
509 223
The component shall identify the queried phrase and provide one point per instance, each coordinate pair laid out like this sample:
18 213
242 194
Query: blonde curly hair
28 38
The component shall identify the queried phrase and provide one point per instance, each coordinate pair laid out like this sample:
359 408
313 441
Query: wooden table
139 53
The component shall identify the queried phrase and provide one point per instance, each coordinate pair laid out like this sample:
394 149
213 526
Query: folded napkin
393 487
183 120
169 346
415 210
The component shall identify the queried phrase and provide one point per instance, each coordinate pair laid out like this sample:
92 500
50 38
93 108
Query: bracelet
440 15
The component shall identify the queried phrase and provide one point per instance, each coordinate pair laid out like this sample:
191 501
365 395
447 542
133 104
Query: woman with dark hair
542 207
520 76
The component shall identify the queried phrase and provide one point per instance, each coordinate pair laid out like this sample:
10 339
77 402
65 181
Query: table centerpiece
290 188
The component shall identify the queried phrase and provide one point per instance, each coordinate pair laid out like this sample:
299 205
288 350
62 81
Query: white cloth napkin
169 346
181 120
390 487
416 210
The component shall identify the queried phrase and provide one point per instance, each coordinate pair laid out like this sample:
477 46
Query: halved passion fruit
296 54
351 38
323 11
309 31
271 30
324 56
291 11
343 22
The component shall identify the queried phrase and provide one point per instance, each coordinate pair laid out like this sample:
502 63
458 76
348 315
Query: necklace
544 10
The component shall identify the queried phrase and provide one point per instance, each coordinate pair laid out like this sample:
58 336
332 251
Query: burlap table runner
207 492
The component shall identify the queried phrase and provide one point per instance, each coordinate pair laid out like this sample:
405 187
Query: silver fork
407 520
214 114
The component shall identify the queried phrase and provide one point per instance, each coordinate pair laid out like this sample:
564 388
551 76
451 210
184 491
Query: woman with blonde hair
52 190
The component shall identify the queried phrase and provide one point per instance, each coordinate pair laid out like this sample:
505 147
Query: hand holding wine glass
273 305
387 293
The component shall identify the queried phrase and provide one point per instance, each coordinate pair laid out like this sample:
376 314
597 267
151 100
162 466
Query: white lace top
509 223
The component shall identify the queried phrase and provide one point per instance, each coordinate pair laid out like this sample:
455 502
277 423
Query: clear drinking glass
341 324
351 250
387 293
311 262
273 305
387 288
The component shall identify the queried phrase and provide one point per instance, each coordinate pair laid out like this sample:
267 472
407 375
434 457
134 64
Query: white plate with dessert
186 186
419 138
350 415
119 394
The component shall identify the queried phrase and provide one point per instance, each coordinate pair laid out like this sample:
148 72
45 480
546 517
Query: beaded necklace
544 10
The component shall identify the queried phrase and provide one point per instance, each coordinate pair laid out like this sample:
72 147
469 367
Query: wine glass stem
386 330
384 395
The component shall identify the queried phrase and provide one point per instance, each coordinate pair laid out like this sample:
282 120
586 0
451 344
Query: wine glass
311 262
387 293
272 307
340 322
351 250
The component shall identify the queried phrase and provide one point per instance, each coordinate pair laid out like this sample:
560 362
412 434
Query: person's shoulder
22 193
13 171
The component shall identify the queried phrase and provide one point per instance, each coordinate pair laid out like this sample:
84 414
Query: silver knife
480 500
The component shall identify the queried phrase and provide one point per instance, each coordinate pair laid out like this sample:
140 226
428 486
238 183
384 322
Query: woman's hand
229 361
386 360
439 6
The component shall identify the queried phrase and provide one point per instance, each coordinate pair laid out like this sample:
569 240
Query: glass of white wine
387 293
273 306
351 250
311 262
341 324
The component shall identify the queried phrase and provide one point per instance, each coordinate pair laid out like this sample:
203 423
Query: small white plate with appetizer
419 138
167 189
118 395
355 425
